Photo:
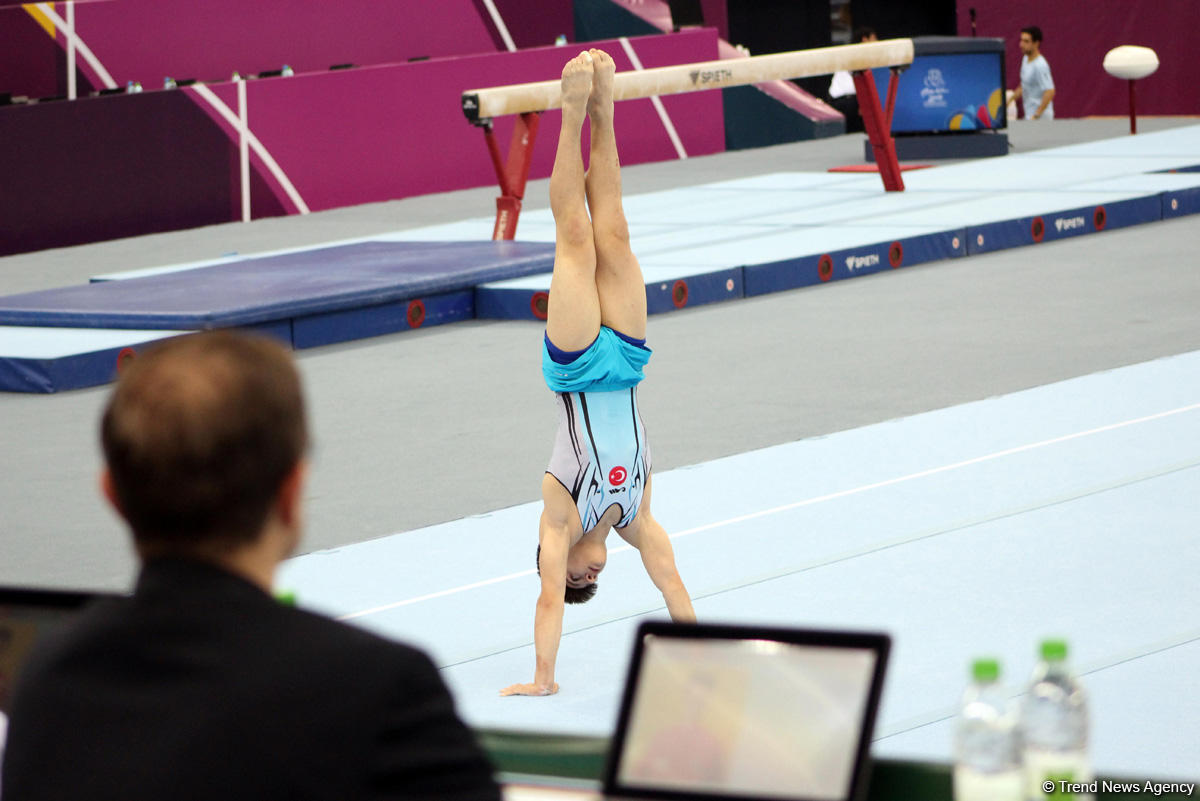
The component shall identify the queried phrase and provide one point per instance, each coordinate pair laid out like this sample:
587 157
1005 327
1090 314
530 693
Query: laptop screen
747 713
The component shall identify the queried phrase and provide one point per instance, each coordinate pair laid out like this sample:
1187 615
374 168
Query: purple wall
145 40
99 168
109 167
398 131
716 15
536 23
30 60
1076 39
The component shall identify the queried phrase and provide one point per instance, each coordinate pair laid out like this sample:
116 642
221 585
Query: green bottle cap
985 670
1054 650
286 597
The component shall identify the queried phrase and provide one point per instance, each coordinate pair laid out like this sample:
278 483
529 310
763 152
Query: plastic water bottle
1054 726
987 743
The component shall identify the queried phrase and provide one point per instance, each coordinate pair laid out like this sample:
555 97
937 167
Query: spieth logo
704 77
858 262
616 476
1068 223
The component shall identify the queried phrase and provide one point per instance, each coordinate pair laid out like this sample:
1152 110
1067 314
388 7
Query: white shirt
1035 80
841 85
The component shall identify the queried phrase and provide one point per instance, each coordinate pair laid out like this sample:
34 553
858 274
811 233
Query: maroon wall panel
1078 35
146 40
109 167
29 59
127 164
399 131
536 23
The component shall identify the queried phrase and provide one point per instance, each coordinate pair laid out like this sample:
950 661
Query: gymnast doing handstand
593 354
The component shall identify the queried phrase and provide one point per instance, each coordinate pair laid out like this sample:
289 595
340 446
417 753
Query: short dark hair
573 595
199 435
1035 33
862 32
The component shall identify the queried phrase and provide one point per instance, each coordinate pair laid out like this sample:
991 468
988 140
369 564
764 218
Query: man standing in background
1037 86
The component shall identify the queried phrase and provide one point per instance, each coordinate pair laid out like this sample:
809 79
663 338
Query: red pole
1132 111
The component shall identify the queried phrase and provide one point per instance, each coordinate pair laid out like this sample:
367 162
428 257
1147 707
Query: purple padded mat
279 287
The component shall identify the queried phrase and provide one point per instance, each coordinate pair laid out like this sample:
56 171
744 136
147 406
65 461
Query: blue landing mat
57 339
281 288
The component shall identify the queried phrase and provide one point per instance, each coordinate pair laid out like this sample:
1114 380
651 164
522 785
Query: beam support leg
879 126
512 173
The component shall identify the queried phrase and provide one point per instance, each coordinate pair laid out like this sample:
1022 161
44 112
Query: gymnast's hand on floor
530 689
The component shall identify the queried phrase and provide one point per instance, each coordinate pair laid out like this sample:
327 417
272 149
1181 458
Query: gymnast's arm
548 615
658 557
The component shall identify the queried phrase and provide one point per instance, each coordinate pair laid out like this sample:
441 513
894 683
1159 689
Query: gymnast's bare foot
577 85
600 104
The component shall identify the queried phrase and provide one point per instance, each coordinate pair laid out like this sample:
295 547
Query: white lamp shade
1130 62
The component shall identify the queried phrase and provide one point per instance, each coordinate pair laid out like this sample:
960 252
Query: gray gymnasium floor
434 425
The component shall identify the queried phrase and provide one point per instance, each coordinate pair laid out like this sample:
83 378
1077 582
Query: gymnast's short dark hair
199 436
573 595
1035 33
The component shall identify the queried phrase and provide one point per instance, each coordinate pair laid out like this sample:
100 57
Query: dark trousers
848 105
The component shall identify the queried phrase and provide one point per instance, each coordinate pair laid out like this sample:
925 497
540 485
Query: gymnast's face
585 560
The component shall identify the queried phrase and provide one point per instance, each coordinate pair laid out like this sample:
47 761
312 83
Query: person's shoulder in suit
280 696
388 697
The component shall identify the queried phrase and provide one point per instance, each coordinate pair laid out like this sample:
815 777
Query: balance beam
482 104
530 99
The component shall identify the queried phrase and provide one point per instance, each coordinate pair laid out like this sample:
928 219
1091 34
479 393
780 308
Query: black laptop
740 713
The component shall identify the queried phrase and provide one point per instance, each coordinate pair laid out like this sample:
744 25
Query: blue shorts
610 363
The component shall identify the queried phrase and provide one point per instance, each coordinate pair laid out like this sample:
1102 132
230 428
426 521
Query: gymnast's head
204 443
585 560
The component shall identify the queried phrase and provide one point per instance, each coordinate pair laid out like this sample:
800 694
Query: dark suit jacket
202 686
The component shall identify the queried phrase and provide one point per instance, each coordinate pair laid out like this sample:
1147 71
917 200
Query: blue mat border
694 290
1180 202
838 265
330 328
1065 224
47 376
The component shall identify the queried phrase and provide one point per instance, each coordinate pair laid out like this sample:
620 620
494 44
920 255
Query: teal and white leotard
601 456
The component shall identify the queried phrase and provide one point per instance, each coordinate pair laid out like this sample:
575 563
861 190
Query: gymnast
593 354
